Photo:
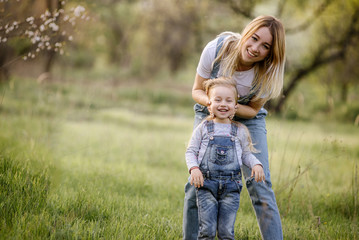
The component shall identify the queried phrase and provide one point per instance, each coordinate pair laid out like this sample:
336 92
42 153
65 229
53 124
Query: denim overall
218 199
261 194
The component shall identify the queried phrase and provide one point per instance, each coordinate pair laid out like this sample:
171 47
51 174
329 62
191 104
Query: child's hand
196 178
258 173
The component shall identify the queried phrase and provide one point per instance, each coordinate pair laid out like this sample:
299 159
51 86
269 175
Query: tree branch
310 20
238 9
318 60
280 8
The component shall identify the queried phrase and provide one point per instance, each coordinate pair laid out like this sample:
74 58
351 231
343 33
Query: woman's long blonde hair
268 80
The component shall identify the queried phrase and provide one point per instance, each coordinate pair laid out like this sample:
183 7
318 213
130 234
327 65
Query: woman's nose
255 48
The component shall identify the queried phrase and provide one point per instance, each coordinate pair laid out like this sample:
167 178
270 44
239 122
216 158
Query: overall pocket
220 155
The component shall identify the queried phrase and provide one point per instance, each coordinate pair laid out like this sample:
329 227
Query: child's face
222 103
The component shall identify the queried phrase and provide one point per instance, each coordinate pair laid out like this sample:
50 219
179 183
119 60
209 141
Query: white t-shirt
243 78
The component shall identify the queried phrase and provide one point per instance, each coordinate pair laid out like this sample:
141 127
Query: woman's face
257 47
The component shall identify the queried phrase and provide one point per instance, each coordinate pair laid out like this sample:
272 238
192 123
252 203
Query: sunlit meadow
79 161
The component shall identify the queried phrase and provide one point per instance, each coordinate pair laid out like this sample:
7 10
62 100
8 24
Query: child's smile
222 103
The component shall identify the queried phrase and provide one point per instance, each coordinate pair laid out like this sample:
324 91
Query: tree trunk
344 92
51 54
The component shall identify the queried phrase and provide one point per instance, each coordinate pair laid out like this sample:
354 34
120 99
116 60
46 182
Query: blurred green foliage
161 40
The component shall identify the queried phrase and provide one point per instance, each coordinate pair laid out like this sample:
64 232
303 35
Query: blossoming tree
28 28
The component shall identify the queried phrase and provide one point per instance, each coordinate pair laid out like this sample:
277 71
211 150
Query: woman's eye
254 38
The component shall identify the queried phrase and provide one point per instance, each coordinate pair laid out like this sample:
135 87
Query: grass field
85 161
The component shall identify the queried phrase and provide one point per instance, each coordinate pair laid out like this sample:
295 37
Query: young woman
255 60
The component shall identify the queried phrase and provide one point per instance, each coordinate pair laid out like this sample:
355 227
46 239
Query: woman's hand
251 110
198 93
196 178
258 173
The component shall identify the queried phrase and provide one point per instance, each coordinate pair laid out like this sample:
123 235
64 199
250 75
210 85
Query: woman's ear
209 103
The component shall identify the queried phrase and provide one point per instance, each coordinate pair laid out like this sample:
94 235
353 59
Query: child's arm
192 157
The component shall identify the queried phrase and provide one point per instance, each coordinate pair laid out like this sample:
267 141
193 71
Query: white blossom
42 35
78 10
29 33
54 27
48 21
30 19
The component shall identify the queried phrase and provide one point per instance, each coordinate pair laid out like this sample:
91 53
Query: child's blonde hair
230 83
221 81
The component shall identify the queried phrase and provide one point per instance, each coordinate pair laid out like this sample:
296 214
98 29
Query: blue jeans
218 203
261 194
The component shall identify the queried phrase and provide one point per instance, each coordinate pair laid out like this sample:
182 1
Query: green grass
98 160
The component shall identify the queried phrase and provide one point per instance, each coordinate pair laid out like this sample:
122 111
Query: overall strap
246 99
219 45
210 127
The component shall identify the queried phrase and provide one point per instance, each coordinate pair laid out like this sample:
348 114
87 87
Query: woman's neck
243 66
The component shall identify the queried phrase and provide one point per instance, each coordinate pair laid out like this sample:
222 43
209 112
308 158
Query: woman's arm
243 111
198 93
251 110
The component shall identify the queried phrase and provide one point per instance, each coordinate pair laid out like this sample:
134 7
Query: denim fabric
190 213
261 194
218 202
218 199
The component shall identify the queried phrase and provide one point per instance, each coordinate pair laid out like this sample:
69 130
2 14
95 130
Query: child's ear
209 103
236 106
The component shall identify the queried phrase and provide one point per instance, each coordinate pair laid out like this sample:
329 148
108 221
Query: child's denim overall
218 199
261 194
